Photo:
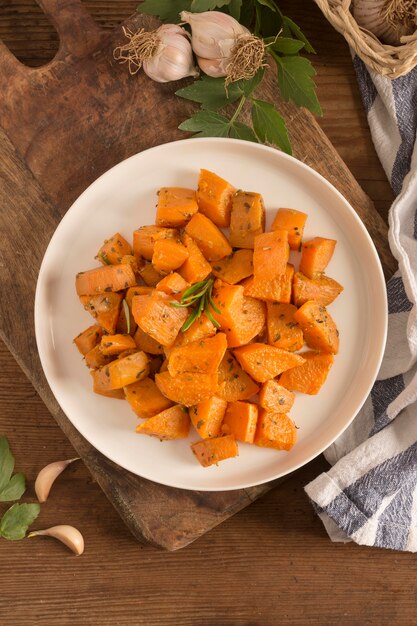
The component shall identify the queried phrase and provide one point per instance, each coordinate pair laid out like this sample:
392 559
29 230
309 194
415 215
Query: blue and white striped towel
370 494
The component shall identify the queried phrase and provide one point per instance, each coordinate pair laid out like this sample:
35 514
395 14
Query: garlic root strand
68 535
47 477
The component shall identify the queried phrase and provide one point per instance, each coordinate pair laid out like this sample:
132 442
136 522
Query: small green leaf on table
242 131
167 10
211 93
269 125
290 29
295 82
207 124
14 489
198 6
235 7
286 45
17 519
6 462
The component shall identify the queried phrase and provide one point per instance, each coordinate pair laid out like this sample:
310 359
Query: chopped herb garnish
104 258
200 299
127 315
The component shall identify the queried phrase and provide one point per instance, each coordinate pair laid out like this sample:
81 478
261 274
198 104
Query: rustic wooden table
272 563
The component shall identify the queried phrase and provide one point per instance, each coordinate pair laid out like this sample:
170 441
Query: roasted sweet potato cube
277 290
173 284
155 315
173 423
127 370
234 268
240 420
115 344
88 339
145 398
187 389
203 356
207 416
176 206
168 255
263 362
234 383
316 255
113 249
323 289
147 343
150 275
101 384
214 197
95 359
270 255
135 262
283 331
275 397
311 375
200 329
293 221
208 237
212 451
195 268
139 290
144 239
104 279
247 219
318 326
104 308
275 430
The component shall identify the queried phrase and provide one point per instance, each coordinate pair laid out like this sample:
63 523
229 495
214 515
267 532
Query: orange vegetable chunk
292 221
96 359
139 290
135 263
104 308
323 289
247 219
101 385
187 388
283 331
212 451
145 398
173 423
240 420
195 268
127 370
104 279
150 275
263 362
310 376
203 356
113 249
316 255
144 239
200 329
173 284
275 430
214 197
207 416
277 290
147 343
275 397
211 241
88 339
176 206
270 255
234 383
318 326
155 315
168 255
234 268
115 344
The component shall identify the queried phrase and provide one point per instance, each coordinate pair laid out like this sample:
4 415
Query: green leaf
167 10
198 6
268 3
295 82
234 8
211 93
6 462
127 315
286 45
269 125
290 29
269 20
14 489
206 124
17 519
242 131
247 87
247 12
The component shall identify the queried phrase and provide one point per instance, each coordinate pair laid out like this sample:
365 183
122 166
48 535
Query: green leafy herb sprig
199 297
283 41
17 519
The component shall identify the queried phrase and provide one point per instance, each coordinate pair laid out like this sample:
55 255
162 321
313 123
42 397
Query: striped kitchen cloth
370 494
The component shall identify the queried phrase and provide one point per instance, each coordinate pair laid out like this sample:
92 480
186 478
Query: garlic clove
174 57
68 535
47 477
212 67
210 28
371 15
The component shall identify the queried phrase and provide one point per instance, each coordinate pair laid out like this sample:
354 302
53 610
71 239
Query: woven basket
390 61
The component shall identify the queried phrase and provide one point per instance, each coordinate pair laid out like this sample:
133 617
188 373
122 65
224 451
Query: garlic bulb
47 477
68 535
389 20
213 34
213 67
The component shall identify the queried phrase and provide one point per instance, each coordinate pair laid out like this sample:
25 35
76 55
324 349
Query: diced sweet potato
145 398
101 385
310 376
96 359
135 262
155 315
104 308
125 371
247 219
203 356
104 279
147 343
277 290
323 289
150 275
168 255
214 197
200 329
144 239
212 451
211 241
240 420
293 221
283 331
207 416
176 206
173 284
263 362
173 423
270 255
195 268
113 249
187 388
275 430
318 326
234 383
115 344
234 268
139 290
88 339
316 255
275 397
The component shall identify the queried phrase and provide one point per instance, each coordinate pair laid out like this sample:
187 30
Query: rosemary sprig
199 297
127 315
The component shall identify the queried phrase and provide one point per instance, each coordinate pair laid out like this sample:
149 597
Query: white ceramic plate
124 199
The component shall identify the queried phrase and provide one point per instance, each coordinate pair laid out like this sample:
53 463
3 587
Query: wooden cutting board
63 125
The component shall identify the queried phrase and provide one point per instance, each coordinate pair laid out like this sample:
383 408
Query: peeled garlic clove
212 67
47 477
173 59
211 27
68 535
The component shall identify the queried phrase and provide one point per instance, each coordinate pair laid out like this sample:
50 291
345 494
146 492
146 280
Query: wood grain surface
272 563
